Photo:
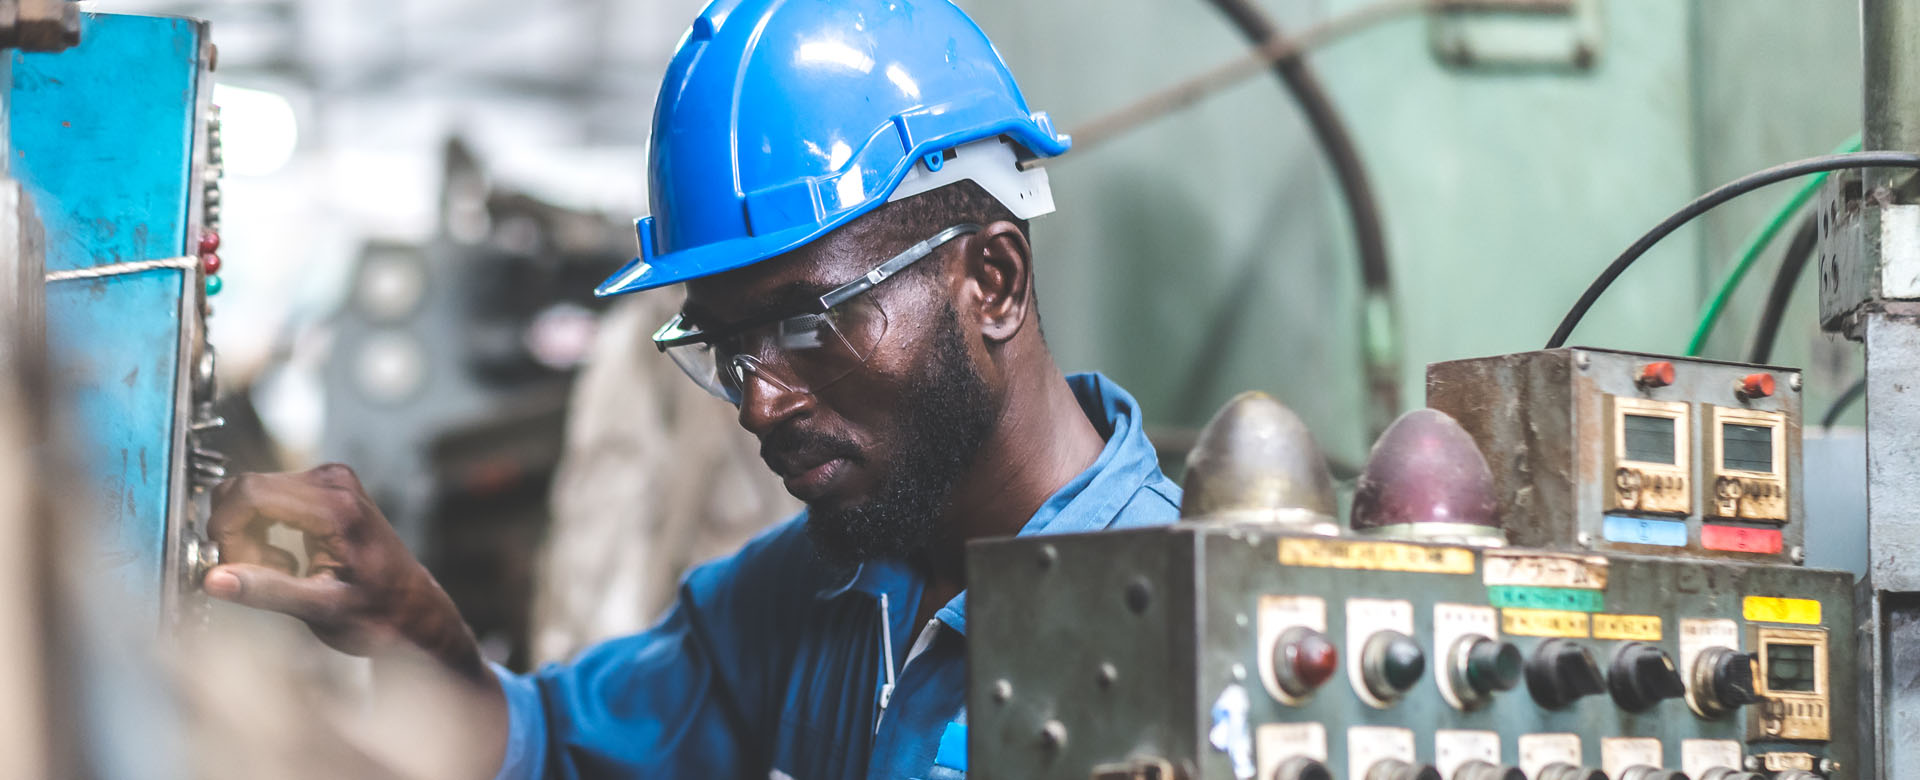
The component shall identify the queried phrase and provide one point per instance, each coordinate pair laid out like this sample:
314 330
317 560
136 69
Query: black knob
1481 770
1642 675
1728 773
1561 672
1389 769
1391 662
1644 772
1732 676
1569 772
1302 768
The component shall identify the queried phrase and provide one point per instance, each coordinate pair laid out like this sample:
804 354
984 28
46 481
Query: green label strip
1526 597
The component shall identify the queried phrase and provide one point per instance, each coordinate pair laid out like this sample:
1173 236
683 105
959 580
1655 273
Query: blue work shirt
772 665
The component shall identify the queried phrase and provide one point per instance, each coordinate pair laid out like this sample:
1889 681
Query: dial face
1746 447
1648 439
1790 668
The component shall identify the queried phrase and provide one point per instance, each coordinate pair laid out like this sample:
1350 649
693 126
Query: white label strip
1453 748
1619 753
1546 570
1367 745
1697 756
1538 751
1274 743
1366 617
1277 614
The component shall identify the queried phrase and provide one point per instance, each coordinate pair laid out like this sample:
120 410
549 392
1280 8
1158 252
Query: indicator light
209 242
1481 667
1301 768
214 285
1303 660
1257 462
1426 479
210 262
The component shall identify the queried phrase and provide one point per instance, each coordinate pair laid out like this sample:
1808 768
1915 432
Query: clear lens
803 353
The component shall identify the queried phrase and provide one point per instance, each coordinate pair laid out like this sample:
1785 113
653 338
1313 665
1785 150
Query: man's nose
766 402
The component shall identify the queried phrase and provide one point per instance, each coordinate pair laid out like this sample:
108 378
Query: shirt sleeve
690 697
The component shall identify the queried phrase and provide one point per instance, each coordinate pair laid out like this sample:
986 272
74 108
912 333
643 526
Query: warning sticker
1644 628
1375 556
1766 609
1543 622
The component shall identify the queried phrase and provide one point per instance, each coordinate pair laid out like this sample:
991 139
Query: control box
1212 650
1610 451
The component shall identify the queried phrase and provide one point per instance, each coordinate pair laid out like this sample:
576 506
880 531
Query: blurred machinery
1653 625
447 383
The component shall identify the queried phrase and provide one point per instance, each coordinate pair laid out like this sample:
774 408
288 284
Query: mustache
815 444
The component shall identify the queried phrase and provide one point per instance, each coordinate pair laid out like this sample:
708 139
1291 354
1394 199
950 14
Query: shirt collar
1089 502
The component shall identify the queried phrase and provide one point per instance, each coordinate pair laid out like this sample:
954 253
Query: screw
1754 764
1139 595
1584 539
1829 766
1053 736
1002 690
1108 674
1048 555
1581 361
1793 382
1798 554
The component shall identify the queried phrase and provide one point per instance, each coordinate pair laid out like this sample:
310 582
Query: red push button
1756 386
1656 374
1303 660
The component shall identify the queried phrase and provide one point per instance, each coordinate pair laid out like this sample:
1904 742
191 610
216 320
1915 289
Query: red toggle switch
1656 374
1756 386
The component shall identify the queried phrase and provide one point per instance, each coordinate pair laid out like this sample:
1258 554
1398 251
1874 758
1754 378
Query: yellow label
1767 609
1375 556
1543 622
1630 627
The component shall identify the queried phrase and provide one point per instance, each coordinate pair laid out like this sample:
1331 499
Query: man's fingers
316 600
295 500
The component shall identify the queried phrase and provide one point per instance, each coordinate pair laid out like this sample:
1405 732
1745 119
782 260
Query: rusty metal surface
1541 419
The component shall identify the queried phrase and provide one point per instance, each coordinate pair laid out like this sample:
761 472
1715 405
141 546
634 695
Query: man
836 184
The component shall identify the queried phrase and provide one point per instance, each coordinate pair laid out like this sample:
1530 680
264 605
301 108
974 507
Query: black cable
1343 154
1722 194
1787 277
1847 399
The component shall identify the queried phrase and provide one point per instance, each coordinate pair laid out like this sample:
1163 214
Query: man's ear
1000 266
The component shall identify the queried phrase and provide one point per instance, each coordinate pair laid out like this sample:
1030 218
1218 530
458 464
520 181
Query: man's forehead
781 283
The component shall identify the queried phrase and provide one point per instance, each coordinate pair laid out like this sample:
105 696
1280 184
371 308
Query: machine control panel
1273 655
1643 454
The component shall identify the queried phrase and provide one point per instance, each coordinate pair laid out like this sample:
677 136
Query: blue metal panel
102 138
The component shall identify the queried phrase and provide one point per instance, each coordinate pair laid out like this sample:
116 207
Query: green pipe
1751 254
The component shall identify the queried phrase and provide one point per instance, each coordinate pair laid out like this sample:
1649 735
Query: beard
944 422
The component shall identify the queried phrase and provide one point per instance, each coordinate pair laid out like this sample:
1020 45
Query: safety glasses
799 352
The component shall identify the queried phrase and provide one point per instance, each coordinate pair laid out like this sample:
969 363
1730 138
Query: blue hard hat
780 120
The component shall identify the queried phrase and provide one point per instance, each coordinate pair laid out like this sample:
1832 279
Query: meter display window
1790 668
1648 439
1746 447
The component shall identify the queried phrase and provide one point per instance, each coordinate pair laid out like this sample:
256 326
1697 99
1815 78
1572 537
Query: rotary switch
1569 772
1728 773
1722 682
1303 660
1642 675
1302 768
1644 772
1481 770
1390 769
1390 664
1561 672
1480 667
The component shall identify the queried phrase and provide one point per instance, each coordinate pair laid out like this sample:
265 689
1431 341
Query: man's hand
362 593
